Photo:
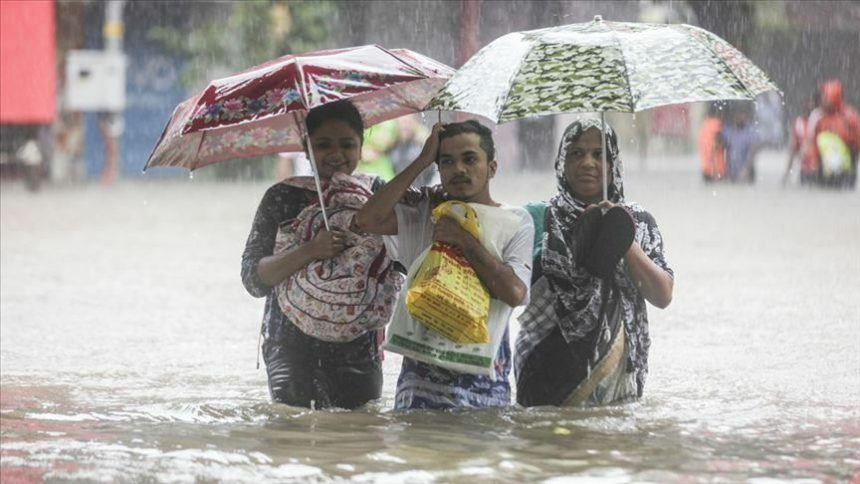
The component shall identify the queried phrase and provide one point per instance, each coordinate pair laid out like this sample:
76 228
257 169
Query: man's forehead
460 144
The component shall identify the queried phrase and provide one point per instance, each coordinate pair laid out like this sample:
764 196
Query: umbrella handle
316 176
603 154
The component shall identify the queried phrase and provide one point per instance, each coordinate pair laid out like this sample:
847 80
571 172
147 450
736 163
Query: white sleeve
414 232
517 254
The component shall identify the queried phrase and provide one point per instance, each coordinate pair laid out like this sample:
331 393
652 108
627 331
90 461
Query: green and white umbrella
597 67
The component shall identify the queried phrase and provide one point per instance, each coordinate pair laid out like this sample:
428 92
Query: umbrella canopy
261 110
599 66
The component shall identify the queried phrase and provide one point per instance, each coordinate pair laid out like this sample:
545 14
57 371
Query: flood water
128 350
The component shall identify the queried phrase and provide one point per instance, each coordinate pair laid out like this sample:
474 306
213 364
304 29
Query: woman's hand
449 231
328 243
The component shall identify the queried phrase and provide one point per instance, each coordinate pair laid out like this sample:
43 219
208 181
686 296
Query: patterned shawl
342 298
577 294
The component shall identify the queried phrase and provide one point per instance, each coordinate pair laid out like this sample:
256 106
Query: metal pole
113 27
603 151
316 175
111 123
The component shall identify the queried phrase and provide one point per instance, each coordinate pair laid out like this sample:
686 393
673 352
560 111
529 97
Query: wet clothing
711 153
808 161
586 312
558 372
423 385
843 121
301 368
307 372
740 143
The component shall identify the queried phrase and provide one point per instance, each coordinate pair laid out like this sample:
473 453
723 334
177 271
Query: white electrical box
95 80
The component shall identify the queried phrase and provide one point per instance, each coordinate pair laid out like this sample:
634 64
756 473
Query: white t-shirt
415 235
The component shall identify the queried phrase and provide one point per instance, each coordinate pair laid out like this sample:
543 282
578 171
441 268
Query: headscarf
577 294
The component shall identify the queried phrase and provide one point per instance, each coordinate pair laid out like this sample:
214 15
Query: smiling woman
336 135
303 369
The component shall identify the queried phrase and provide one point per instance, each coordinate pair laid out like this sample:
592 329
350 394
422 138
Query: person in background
584 335
303 370
741 143
711 150
833 138
808 161
110 127
466 162
374 152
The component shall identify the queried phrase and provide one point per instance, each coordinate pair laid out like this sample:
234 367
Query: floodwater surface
128 350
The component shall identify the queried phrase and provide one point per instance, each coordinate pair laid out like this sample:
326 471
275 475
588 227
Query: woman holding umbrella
304 370
584 337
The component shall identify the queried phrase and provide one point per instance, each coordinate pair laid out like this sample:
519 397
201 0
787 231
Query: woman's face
583 167
337 148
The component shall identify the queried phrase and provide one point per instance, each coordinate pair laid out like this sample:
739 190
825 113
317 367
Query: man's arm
498 277
377 215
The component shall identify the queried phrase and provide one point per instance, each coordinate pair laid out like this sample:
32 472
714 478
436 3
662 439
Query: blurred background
92 83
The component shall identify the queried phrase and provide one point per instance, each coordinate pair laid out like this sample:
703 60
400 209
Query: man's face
464 168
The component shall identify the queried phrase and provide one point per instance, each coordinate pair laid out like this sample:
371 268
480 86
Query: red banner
28 71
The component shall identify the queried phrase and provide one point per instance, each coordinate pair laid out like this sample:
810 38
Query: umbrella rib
197 151
301 83
511 85
400 59
626 72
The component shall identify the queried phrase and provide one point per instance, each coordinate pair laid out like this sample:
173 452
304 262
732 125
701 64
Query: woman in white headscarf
584 336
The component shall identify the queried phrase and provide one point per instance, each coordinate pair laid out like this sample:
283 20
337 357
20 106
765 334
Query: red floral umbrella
261 110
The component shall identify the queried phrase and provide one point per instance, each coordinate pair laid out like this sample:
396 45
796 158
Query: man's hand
449 231
430 152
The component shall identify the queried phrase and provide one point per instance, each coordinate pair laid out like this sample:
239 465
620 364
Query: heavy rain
130 348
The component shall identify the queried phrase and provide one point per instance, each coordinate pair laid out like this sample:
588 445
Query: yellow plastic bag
446 294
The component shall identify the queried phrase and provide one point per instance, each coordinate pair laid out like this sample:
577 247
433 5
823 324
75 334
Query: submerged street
128 343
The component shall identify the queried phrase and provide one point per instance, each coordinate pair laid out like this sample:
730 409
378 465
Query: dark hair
342 110
472 126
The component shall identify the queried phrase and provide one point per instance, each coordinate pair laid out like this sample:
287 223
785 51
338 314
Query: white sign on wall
95 80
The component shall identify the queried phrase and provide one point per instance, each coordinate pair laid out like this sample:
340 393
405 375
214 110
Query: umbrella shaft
316 177
603 154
